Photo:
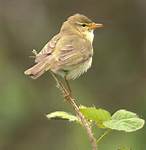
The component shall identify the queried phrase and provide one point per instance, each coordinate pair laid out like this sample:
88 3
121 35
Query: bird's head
81 24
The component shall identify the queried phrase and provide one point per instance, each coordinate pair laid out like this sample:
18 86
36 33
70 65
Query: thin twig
83 120
103 135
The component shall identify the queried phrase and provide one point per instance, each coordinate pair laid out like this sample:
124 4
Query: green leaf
122 114
124 120
94 114
62 115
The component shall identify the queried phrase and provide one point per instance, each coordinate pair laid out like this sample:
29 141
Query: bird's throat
89 35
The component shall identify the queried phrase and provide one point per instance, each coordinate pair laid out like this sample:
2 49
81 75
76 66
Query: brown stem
83 120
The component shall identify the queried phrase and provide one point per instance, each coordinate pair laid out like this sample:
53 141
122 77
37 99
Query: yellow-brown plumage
70 52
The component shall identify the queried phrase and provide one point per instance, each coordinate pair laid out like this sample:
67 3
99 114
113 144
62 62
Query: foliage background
116 80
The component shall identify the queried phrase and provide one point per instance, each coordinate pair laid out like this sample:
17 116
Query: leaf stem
103 135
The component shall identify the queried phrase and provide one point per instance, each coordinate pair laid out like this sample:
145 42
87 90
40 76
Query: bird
69 53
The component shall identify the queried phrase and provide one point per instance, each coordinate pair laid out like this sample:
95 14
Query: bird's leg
68 86
61 86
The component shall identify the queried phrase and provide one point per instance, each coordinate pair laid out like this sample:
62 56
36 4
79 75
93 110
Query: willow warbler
69 53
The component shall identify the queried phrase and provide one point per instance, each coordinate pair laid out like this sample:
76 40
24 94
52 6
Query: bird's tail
37 70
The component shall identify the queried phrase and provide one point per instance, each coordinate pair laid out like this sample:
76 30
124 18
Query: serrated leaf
94 114
124 120
62 115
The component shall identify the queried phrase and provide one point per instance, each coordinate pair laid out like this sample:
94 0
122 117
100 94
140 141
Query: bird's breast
80 69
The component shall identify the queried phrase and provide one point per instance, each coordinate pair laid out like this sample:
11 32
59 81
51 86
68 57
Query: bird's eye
84 25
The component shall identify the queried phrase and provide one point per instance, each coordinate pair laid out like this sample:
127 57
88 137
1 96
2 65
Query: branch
71 100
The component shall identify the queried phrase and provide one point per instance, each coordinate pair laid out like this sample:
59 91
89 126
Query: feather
38 69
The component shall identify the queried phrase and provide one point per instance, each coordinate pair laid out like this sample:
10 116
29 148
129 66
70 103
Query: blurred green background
116 80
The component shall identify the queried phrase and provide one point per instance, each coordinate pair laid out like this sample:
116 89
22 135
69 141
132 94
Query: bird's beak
93 25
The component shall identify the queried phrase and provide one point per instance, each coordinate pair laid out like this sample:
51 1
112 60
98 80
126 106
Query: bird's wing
47 49
73 51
